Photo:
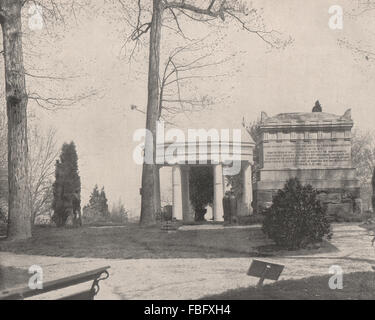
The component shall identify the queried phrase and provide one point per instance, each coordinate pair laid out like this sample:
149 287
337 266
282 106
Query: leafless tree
184 67
363 158
361 7
156 14
362 50
43 154
17 97
359 49
363 154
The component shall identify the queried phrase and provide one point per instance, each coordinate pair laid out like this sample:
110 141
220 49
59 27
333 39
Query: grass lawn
356 285
133 242
305 276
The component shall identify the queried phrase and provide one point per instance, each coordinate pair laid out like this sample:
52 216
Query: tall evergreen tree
94 198
67 187
103 203
98 203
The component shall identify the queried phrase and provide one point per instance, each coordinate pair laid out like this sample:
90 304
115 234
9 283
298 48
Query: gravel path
195 278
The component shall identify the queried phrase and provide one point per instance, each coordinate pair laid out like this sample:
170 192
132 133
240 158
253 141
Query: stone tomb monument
315 147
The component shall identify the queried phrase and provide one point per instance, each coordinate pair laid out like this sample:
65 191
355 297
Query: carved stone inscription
307 154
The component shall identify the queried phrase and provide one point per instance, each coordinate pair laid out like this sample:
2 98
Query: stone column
186 214
177 193
218 211
247 192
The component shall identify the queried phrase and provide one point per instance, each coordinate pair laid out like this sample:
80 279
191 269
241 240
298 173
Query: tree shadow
135 242
11 277
319 248
356 286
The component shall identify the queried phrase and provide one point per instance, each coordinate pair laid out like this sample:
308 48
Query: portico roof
212 150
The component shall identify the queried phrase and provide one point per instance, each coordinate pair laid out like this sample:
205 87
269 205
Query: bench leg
95 285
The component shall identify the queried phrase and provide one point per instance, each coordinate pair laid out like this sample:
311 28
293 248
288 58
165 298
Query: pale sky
313 67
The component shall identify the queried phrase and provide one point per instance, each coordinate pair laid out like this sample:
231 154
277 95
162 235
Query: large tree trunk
157 190
148 206
16 99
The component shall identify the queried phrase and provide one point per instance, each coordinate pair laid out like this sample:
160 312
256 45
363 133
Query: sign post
264 270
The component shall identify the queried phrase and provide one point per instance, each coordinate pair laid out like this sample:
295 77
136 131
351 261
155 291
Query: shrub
296 218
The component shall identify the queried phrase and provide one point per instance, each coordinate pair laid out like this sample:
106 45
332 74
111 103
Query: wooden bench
89 294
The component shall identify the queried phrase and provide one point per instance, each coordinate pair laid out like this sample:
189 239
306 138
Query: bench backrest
93 275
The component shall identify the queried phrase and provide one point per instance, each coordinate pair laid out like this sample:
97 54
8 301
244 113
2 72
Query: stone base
344 201
339 190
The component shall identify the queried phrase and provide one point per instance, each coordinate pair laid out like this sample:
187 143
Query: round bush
296 218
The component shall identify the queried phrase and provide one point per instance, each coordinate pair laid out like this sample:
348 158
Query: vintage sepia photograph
187 150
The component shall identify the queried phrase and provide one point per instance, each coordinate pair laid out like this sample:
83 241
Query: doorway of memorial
201 192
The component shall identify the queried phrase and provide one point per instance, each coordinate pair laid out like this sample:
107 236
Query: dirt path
195 278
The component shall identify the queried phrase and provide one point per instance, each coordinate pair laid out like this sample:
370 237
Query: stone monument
211 149
315 147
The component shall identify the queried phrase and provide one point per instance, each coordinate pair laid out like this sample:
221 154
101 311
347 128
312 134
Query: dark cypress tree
373 190
67 187
103 203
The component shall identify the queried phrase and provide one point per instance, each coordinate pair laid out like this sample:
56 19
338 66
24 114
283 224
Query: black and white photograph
187 153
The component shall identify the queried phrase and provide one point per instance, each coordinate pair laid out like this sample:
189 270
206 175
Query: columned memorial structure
224 156
315 147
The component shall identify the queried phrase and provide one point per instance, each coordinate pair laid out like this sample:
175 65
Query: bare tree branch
357 49
177 72
53 103
43 154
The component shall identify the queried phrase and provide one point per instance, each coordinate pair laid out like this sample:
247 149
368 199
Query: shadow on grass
356 285
275 250
11 277
135 242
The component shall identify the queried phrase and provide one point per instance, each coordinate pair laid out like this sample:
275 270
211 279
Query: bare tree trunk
16 98
157 190
148 209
